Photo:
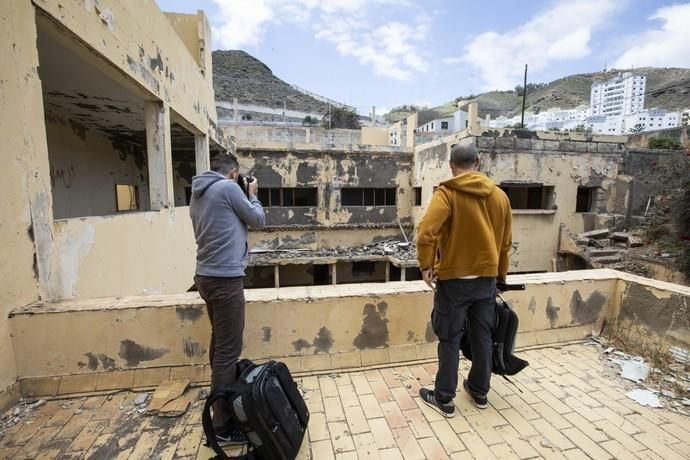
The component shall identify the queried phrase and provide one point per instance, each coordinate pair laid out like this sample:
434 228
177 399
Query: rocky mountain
237 74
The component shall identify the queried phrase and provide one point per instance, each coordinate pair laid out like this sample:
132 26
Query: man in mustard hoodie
463 242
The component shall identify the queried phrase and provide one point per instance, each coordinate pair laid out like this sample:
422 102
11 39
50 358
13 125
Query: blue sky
392 52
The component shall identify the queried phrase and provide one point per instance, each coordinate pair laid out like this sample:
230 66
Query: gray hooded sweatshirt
220 213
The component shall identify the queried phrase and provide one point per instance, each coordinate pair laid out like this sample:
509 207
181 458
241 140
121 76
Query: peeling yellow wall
139 253
330 172
535 232
302 321
187 27
24 190
144 44
375 136
656 308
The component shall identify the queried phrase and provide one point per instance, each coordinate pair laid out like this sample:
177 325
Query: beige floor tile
407 444
432 448
340 437
383 436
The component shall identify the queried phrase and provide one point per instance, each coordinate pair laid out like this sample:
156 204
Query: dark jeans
454 301
224 299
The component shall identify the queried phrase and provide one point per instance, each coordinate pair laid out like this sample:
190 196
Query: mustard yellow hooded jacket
467 229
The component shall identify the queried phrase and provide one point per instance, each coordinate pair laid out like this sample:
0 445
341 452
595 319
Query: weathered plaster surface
300 321
100 256
25 189
329 172
564 166
144 44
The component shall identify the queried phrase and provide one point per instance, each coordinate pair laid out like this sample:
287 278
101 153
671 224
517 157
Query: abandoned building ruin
108 113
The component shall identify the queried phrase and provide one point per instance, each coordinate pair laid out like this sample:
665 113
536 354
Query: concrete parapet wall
89 345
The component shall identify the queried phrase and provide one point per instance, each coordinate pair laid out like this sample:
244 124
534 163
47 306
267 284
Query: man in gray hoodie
220 213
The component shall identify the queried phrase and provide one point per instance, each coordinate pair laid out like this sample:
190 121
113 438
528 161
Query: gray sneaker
429 397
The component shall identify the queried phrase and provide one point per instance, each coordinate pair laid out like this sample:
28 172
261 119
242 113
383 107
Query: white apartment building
548 119
456 122
621 95
650 120
617 107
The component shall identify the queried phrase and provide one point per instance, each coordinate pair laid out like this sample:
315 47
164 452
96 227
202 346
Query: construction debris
601 233
644 397
168 399
393 247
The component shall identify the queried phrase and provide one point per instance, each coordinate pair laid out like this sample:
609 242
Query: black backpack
504 361
267 405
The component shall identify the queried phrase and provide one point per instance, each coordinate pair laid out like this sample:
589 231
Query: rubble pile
392 247
22 411
608 249
665 386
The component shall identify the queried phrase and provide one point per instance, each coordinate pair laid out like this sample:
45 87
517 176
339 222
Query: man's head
226 165
463 158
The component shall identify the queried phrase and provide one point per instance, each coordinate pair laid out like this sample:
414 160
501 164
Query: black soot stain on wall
193 349
133 353
586 311
189 313
301 344
323 341
552 312
374 330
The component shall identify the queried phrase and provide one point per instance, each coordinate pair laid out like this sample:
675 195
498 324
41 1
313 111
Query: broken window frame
417 196
529 196
368 197
285 197
589 199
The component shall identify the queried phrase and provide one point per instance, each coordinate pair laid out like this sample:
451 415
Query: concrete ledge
134 342
99 382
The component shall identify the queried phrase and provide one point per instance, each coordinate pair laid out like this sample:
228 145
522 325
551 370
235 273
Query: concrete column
276 276
473 117
203 158
388 271
403 271
333 272
235 114
157 117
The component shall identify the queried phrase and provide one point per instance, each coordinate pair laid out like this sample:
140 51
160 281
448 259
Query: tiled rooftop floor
568 408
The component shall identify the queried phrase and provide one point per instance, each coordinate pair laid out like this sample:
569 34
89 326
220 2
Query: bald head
464 156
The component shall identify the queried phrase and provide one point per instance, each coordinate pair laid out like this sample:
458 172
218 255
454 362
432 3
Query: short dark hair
223 163
464 156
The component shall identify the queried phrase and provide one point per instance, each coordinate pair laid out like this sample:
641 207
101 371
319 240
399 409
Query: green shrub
666 143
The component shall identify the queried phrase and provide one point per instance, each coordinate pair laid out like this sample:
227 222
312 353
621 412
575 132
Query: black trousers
224 299
454 301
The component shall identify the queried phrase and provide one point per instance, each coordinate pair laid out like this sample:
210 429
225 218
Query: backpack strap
207 423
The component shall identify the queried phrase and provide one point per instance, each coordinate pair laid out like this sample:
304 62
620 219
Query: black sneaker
445 409
480 401
232 437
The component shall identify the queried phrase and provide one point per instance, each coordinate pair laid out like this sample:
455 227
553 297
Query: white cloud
560 33
242 22
668 46
355 27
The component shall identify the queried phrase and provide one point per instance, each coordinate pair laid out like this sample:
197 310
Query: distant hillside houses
616 107
456 122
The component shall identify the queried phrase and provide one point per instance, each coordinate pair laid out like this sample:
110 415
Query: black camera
243 182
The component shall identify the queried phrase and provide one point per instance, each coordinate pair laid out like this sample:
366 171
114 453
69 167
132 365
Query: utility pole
524 100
